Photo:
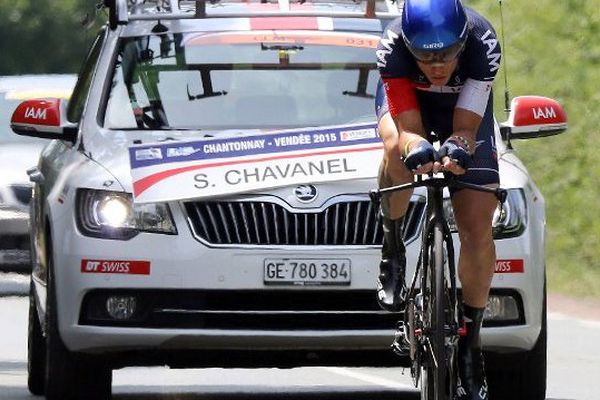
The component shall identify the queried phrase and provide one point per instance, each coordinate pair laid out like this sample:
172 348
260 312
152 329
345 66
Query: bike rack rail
123 11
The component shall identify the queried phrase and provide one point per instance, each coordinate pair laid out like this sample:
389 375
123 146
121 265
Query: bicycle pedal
400 349
462 330
400 345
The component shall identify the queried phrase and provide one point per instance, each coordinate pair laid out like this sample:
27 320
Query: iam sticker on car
509 266
115 267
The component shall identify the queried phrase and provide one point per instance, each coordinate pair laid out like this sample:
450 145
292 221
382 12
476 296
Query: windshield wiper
204 95
279 47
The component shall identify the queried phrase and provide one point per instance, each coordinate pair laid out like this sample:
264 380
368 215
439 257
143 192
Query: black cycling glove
421 154
457 150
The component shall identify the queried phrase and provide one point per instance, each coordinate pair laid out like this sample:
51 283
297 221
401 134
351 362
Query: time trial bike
432 319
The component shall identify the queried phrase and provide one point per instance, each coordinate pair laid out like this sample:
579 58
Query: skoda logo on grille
305 193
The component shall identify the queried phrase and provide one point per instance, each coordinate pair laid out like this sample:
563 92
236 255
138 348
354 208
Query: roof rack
123 11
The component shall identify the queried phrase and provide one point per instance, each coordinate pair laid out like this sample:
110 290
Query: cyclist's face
438 73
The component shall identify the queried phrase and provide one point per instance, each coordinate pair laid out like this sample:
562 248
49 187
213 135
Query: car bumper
13 222
14 240
182 265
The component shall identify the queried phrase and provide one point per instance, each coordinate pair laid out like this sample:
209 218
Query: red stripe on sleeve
400 95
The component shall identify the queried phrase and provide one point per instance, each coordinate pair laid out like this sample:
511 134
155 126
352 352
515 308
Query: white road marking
375 380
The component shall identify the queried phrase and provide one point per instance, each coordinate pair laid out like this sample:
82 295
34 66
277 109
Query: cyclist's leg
476 269
390 282
474 212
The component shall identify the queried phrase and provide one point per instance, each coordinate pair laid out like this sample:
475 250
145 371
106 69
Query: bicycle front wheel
434 384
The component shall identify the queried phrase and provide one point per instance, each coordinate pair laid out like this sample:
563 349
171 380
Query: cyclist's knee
475 232
475 226
474 212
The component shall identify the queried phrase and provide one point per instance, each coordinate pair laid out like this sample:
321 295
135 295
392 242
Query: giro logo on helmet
439 45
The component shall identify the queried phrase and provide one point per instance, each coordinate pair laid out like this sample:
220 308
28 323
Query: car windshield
231 80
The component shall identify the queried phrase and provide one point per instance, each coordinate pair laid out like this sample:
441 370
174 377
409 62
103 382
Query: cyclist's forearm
466 124
410 130
406 141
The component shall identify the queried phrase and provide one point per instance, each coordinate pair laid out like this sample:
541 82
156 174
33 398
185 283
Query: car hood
513 173
111 151
110 148
16 159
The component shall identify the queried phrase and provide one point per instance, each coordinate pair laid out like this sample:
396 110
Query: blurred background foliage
46 36
551 49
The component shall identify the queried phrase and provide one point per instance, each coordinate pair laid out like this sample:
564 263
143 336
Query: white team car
204 202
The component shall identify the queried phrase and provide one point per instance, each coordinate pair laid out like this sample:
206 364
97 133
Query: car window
242 80
84 81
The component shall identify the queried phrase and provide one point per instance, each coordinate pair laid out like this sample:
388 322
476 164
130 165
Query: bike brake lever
375 196
501 195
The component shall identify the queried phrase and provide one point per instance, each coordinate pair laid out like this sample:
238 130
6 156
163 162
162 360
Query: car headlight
509 220
114 215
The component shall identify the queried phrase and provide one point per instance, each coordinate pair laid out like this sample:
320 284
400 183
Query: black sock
473 320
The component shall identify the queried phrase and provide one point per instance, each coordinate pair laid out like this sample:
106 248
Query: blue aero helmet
434 30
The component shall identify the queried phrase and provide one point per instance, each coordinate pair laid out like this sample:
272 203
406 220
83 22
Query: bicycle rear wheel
434 383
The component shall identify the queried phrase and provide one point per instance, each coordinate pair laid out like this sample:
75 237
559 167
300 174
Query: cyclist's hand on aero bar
420 159
455 156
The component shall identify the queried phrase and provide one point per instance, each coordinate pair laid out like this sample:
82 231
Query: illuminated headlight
501 309
113 215
509 220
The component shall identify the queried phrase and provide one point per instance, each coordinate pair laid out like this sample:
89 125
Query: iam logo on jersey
305 193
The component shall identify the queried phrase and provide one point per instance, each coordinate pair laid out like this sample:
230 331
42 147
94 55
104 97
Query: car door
53 161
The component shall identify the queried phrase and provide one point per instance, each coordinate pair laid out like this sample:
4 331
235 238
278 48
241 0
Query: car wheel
68 375
522 375
36 349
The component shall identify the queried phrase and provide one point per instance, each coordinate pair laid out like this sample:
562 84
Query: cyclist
437 64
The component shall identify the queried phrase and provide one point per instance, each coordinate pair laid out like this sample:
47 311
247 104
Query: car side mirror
43 118
533 117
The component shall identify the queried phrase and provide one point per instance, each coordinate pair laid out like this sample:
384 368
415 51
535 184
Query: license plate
306 271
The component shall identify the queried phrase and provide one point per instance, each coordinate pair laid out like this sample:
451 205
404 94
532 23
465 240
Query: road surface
573 371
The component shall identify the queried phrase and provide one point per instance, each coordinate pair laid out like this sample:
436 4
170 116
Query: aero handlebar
450 182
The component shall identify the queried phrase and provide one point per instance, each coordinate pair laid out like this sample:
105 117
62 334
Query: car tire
70 376
522 375
36 349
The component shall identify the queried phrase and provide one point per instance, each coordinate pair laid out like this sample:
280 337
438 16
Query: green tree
45 36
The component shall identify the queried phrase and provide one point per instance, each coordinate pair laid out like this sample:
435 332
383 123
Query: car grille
22 193
244 309
265 223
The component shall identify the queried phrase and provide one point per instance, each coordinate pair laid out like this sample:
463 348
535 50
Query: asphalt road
573 372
